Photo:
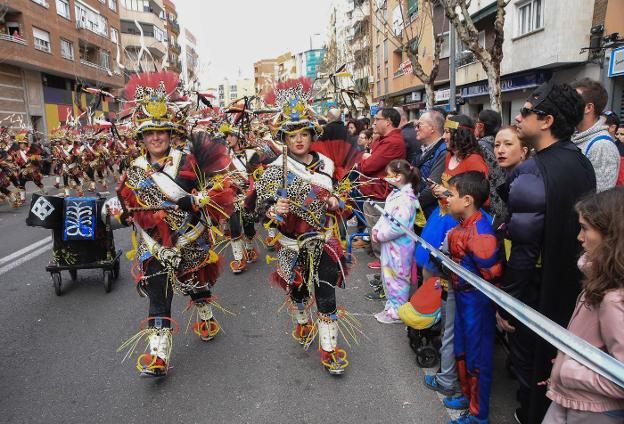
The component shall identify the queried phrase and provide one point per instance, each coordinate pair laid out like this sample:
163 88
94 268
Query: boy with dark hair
473 245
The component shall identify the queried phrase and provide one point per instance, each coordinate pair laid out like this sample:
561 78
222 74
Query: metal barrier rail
570 344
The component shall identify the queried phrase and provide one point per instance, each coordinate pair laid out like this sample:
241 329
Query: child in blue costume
474 246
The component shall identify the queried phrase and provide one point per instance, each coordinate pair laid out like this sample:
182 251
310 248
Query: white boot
332 358
156 363
207 327
239 263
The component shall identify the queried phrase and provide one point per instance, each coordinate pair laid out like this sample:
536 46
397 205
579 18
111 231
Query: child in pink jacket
578 394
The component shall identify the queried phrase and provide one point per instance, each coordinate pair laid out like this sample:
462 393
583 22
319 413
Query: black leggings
161 294
325 291
238 224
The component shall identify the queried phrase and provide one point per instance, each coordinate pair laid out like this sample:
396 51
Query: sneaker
374 265
385 318
431 382
457 402
375 281
376 295
360 244
466 418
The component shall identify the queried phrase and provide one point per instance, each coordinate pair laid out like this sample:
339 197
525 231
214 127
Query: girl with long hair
578 394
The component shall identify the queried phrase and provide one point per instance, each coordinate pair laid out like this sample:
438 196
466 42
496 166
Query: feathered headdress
153 94
295 112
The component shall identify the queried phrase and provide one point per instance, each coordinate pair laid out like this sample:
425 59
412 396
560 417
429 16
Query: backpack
620 180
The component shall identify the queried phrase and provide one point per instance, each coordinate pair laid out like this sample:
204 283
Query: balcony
13 39
175 27
156 47
175 48
94 65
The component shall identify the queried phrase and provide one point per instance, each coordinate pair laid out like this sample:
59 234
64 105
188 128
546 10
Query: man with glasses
429 131
385 149
593 137
542 227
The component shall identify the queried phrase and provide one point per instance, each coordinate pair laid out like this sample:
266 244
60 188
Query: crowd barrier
570 344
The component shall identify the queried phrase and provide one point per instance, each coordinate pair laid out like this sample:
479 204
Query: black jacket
335 130
412 145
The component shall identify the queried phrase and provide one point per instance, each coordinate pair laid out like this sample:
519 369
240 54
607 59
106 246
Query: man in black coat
543 226
335 129
408 131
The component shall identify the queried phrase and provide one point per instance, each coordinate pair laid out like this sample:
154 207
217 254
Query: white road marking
25 250
25 258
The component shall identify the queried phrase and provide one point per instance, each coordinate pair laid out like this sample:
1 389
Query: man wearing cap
542 228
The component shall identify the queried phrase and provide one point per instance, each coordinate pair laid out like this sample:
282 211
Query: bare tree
490 58
406 35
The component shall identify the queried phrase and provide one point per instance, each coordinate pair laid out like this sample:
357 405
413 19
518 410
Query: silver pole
452 66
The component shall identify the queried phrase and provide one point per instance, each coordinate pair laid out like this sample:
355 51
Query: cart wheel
73 273
426 357
56 282
116 269
108 280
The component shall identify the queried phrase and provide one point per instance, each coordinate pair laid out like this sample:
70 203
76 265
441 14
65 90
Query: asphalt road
59 365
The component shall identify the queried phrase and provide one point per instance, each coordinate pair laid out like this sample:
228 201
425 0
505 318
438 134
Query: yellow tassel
276 238
132 253
217 231
269 259
213 257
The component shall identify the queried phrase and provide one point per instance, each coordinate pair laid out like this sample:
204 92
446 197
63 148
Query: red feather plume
283 85
344 155
151 79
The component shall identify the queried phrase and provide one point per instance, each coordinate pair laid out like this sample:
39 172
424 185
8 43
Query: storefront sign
616 64
519 82
442 95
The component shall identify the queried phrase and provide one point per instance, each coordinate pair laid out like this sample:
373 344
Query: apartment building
50 49
265 72
227 91
173 31
392 26
190 59
143 25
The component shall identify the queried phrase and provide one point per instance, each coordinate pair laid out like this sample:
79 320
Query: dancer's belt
294 244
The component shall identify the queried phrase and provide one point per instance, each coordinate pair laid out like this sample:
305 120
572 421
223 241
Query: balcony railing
175 27
18 40
94 65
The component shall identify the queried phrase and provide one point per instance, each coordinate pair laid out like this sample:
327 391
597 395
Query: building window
89 19
385 50
105 59
445 47
114 35
378 88
67 49
136 5
112 5
530 16
43 3
378 55
62 8
386 85
42 39
159 34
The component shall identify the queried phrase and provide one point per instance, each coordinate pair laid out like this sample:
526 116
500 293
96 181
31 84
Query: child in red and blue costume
473 244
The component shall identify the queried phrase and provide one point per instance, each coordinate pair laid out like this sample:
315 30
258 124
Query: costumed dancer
28 159
241 220
175 252
297 192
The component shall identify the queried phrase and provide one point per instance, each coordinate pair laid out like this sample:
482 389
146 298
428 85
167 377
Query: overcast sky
233 34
